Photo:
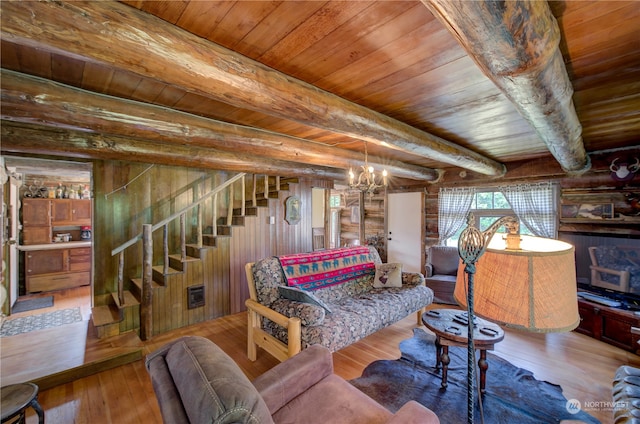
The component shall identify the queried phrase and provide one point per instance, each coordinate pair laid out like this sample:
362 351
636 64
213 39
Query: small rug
513 394
12 327
32 304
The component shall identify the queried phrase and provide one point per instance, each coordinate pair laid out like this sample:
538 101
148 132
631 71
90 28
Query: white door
405 226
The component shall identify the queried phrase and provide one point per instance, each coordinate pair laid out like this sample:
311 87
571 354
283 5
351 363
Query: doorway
37 180
405 230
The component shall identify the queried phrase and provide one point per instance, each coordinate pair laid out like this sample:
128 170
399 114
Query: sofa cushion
388 275
299 295
308 313
444 260
212 388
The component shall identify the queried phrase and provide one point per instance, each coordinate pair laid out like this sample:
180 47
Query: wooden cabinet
40 217
36 212
57 269
609 325
70 212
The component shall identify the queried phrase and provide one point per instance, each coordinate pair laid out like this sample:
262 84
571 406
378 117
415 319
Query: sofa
441 270
197 382
626 395
285 318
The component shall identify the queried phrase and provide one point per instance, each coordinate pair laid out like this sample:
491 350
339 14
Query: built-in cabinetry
611 325
56 269
54 266
41 217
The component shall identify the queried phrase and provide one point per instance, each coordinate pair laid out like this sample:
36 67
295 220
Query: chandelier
367 180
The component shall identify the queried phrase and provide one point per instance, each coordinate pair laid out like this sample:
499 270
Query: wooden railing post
183 237
165 249
121 278
215 215
254 199
230 206
242 205
199 228
146 318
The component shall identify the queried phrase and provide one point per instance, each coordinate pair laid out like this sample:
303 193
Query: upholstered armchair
196 382
441 271
615 268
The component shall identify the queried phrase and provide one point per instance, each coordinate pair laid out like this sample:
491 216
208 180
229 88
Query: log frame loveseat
337 314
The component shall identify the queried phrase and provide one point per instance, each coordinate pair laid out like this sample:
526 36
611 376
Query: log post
121 278
146 317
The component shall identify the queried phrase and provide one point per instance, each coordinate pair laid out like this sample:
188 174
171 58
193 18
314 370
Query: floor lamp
522 282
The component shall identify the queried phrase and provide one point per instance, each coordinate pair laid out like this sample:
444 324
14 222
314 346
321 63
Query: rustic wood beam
516 45
126 38
39 140
32 99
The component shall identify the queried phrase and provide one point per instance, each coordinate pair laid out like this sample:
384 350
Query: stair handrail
175 215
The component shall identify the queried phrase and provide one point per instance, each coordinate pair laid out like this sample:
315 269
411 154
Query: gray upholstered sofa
441 270
340 315
196 382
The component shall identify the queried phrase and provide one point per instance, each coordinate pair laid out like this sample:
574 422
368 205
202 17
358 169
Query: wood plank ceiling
304 84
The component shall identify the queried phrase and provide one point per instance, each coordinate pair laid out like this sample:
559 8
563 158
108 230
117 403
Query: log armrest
285 381
256 336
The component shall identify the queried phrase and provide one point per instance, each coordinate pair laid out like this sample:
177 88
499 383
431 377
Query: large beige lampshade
532 288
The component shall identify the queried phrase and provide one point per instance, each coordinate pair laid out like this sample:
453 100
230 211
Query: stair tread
104 315
138 282
186 259
129 299
170 271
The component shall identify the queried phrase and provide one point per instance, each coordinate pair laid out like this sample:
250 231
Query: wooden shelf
605 221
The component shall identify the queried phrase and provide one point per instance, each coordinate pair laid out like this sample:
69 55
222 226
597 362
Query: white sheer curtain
453 206
536 206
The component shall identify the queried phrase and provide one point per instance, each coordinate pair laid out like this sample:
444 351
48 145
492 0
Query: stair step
136 288
129 299
158 274
224 230
105 315
209 240
197 252
176 261
235 221
248 211
260 202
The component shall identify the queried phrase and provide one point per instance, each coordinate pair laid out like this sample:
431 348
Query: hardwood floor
584 367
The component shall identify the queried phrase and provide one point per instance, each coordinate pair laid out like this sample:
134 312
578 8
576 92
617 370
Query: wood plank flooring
584 367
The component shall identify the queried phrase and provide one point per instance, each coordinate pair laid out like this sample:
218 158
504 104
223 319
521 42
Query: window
487 207
335 201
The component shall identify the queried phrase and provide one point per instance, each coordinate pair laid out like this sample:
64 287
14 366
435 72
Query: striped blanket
315 270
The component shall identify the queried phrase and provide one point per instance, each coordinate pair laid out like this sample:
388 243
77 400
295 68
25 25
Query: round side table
16 398
450 328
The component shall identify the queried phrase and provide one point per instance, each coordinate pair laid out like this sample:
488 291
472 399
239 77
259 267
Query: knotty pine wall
128 195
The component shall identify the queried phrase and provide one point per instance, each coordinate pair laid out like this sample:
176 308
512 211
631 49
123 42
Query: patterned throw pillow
299 295
388 275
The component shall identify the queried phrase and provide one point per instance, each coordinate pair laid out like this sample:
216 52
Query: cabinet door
36 235
61 212
36 212
81 212
47 261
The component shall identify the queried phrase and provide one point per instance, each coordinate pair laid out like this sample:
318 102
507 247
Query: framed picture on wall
587 211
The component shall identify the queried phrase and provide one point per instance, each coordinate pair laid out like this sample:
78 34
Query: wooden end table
450 328
16 398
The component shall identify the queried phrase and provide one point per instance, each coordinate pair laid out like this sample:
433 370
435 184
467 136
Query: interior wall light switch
272 220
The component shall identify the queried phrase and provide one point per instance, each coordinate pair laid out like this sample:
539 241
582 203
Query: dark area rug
32 304
513 394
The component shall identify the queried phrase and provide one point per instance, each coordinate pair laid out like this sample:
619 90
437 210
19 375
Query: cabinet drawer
80 263
80 251
57 281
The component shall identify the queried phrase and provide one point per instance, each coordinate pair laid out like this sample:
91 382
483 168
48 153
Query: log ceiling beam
30 99
39 140
126 38
516 45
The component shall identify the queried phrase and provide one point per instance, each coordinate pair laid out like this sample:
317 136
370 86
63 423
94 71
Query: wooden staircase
122 313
